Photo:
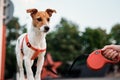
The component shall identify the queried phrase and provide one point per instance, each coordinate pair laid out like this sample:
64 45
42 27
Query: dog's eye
48 19
39 19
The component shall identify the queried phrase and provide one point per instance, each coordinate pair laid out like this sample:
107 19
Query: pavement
89 79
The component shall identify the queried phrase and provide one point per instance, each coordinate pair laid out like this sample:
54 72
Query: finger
111 54
114 56
105 51
108 53
119 55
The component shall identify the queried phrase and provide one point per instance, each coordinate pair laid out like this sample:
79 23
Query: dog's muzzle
46 28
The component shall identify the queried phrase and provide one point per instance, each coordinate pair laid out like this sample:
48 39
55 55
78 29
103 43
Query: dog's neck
36 38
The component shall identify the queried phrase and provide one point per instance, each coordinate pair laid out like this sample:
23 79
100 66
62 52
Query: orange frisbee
96 60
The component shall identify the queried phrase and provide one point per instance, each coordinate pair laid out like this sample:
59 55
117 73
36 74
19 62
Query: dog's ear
32 11
50 11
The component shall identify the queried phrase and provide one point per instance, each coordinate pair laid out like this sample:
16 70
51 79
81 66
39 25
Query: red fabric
49 62
37 51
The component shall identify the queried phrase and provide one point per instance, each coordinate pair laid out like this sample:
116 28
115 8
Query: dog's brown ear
50 11
32 11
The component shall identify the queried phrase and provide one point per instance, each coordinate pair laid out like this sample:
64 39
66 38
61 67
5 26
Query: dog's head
41 19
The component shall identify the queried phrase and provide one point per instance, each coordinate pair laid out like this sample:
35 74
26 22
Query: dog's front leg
40 63
28 64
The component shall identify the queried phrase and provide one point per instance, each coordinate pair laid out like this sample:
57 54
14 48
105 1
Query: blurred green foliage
63 43
115 34
14 29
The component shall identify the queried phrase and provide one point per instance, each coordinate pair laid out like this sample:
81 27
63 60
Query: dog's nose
46 28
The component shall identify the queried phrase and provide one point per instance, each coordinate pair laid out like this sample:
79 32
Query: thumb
107 47
103 49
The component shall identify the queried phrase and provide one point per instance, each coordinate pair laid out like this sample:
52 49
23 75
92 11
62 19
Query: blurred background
78 28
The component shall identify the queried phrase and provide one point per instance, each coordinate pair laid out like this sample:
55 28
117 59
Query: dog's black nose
46 28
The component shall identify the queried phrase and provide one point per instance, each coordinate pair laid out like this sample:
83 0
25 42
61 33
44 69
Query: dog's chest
33 46
38 41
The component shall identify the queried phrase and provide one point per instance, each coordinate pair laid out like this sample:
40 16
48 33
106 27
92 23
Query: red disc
96 60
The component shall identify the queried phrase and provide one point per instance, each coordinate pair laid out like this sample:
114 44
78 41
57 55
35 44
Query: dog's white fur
36 36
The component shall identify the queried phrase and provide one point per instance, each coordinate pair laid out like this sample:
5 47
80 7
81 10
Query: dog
32 44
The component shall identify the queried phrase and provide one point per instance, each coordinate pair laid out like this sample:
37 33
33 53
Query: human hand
111 54
112 51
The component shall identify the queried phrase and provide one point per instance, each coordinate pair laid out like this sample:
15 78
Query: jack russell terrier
33 44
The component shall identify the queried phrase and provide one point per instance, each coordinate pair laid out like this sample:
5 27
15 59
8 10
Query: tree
14 29
93 39
64 42
115 34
